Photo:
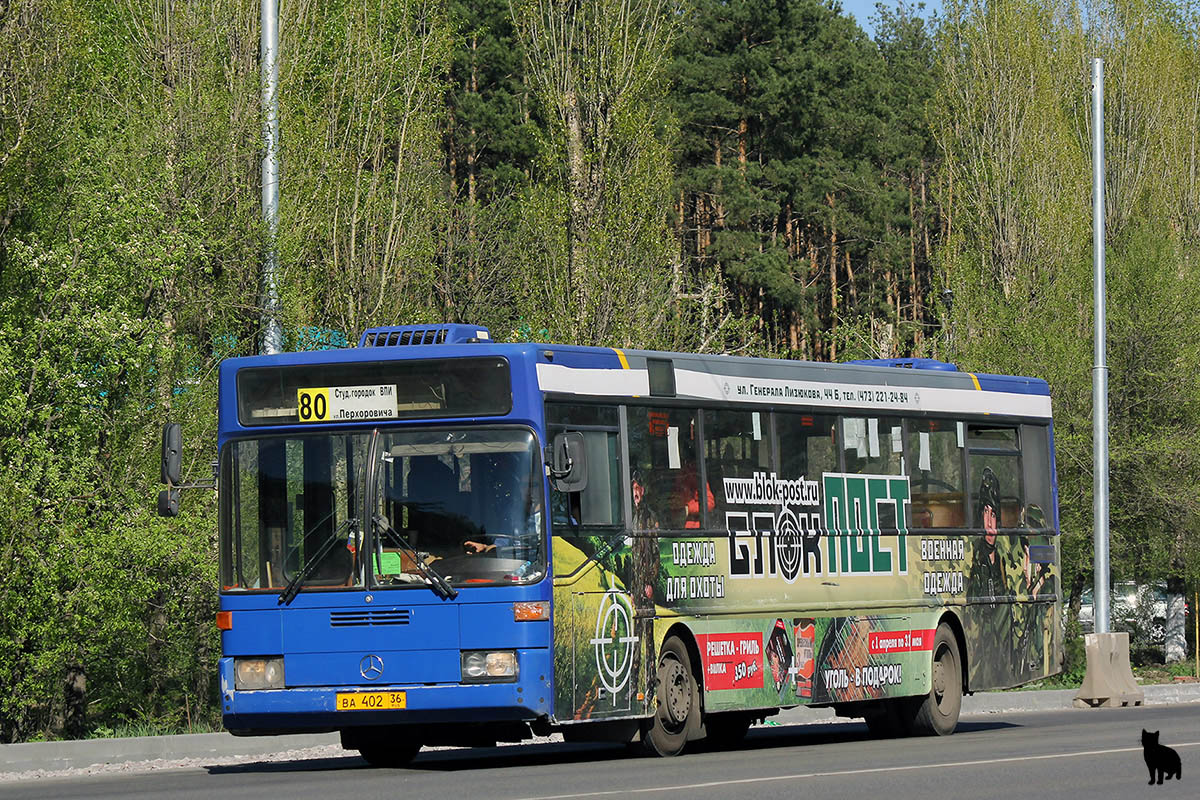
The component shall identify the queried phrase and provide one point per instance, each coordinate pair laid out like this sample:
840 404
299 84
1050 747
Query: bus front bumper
298 709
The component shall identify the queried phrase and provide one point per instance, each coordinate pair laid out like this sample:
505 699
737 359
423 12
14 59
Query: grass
136 728
1165 673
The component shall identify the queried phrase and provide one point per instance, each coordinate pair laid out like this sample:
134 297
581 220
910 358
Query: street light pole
272 336
1100 370
1109 680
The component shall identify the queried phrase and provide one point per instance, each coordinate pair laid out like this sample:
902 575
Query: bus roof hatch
907 363
402 335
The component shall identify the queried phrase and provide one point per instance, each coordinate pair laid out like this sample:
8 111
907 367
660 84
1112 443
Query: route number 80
314 404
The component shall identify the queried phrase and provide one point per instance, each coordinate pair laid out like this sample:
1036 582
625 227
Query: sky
863 10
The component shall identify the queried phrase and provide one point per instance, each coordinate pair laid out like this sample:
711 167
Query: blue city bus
436 539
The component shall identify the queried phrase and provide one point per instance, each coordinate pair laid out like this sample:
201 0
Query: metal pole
272 341
1100 370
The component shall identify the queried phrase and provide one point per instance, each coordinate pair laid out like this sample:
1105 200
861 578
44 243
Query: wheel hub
939 677
678 693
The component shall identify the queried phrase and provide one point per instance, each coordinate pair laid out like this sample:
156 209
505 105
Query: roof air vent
405 335
907 363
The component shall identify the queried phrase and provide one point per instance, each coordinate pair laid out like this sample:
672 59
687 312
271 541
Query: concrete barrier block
1109 681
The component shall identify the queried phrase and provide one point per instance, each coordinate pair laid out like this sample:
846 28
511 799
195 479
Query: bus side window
873 445
996 449
662 453
735 446
806 445
935 467
600 500
599 504
1035 462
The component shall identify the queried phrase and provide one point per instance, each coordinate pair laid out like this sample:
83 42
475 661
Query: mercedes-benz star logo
371 667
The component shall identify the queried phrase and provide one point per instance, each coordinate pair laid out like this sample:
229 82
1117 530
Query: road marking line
797 776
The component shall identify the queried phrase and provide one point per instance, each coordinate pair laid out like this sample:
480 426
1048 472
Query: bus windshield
466 503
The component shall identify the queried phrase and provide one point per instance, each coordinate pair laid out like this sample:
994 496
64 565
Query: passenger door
596 657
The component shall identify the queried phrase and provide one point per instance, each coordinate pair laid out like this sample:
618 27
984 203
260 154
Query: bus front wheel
677 701
385 755
382 745
938 712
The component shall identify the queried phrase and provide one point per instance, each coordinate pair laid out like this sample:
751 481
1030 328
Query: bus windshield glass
467 504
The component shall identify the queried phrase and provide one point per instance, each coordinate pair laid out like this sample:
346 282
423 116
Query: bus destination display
346 403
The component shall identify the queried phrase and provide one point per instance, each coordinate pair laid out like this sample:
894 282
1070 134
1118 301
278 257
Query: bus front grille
373 616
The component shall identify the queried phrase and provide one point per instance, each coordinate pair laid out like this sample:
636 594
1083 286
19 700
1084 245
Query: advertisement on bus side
841 542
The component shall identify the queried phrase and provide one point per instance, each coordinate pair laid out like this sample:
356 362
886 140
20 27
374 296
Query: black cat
1160 759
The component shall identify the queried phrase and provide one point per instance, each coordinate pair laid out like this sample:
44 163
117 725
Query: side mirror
172 454
568 462
168 503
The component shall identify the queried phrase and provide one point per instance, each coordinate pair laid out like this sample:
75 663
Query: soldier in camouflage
989 583
646 562
1029 617
645 544
988 577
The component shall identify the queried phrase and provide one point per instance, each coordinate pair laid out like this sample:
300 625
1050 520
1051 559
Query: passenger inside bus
687 489
505 515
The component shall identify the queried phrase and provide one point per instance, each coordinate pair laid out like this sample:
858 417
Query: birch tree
1015 128
597 221
360 98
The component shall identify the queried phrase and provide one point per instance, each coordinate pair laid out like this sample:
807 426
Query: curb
83 753
91 752
1017 701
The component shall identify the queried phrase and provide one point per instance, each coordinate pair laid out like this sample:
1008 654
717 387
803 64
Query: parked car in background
1138 609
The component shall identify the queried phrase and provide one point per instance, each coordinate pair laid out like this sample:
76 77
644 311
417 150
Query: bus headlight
258 673
482 666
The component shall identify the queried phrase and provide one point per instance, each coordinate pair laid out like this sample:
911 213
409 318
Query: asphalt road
1067 755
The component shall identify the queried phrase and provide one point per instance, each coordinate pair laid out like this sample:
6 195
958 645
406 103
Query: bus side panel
769 662
601 646
1011 618
1006 596
830 566
1012 641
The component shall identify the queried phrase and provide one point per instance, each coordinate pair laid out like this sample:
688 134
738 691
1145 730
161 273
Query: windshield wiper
440 586
293 588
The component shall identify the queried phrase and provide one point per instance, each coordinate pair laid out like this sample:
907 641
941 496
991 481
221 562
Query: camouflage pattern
802 545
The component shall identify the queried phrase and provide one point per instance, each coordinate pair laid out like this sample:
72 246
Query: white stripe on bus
709 386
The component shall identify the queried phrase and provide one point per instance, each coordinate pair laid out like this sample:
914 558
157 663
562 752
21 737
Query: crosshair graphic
614 641
788 545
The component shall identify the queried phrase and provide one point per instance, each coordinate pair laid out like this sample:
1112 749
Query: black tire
893 719
677 701
938 713
882 724
390 756
726 730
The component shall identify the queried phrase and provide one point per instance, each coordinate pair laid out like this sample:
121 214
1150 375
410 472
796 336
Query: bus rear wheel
939 710
677 701
893 718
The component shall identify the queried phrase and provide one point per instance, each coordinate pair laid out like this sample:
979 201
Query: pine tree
792 184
